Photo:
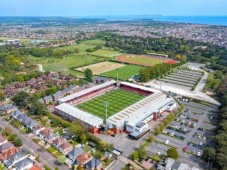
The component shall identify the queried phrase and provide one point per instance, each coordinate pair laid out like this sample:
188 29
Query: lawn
73 60
118 100
124 73
101 67
87 148
144 60
51 149
107 53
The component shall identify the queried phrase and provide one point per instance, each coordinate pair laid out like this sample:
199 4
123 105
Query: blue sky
111 7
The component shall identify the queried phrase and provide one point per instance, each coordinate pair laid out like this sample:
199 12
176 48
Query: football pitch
118 100
124 73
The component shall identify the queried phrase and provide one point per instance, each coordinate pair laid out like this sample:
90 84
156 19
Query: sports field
101 67
124 73
145 60
107 53
118 100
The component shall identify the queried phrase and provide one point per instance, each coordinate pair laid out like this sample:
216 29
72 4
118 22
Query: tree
20 79
88 75
142 152
17 142
135 156
172 153
80 167
56 168
61 159
157 130
83 138
12 137
21 99
209 153
2 96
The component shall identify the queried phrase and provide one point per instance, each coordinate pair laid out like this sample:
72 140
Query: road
40 67
34 148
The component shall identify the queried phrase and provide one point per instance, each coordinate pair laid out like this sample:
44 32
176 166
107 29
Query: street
34 148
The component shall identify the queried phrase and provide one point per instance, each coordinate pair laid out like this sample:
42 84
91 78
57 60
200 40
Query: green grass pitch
118 100
124 73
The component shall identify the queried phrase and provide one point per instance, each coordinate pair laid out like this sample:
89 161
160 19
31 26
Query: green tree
157 130
20 78
61 159
80 167
209 153
172 153
18 142
2 96
88 75
135 156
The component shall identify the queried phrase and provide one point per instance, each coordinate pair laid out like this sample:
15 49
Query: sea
209 20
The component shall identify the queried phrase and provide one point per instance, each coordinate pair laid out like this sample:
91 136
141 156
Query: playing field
101 67
145 60
107 53
118 100
124 73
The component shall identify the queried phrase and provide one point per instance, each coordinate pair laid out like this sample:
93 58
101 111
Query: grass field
144 60
101 67
118 100
107 53
124 73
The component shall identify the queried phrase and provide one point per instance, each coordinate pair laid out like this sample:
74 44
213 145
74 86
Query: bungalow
5 146
83 158
47 135
57 142
7 153
8 108
94 164
75 152
24 164
2 140
65 147
48 99
16 114
37 129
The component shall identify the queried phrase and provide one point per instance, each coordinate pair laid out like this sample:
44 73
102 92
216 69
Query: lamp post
106 104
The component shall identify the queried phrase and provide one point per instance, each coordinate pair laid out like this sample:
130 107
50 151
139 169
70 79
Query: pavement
34 148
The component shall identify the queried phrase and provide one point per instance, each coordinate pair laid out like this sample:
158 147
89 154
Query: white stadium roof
86 91
140 87
79 114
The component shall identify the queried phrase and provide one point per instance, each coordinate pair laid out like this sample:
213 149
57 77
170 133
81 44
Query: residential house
35 167
65 147
57 96
6 108
5 146
57 142
41 100
48 99
37 129
94 164
83 158
7 153
2 140
15 159
31 124
16 114
24 164
75 152
47 135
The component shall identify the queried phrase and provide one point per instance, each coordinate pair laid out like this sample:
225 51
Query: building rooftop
79 114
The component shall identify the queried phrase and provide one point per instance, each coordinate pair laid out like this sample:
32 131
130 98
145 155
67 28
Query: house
65 147
16 114
94 164
11 92
7 153
5 146
8 108
56 96
24 164
83 158
2 140
35 167
75 152
57 142
48 99
41 100
15 159
31 124
37 129
47 135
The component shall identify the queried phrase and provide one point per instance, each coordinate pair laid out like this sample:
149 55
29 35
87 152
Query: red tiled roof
7 153
84 157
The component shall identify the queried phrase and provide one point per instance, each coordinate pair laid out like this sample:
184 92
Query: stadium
129 107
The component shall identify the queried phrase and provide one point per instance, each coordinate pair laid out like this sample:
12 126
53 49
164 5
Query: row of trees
156 71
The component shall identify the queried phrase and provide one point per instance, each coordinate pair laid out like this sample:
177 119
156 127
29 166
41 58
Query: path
40 66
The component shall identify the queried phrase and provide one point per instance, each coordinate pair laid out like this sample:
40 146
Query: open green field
124 73
118 100
73 60
107 53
